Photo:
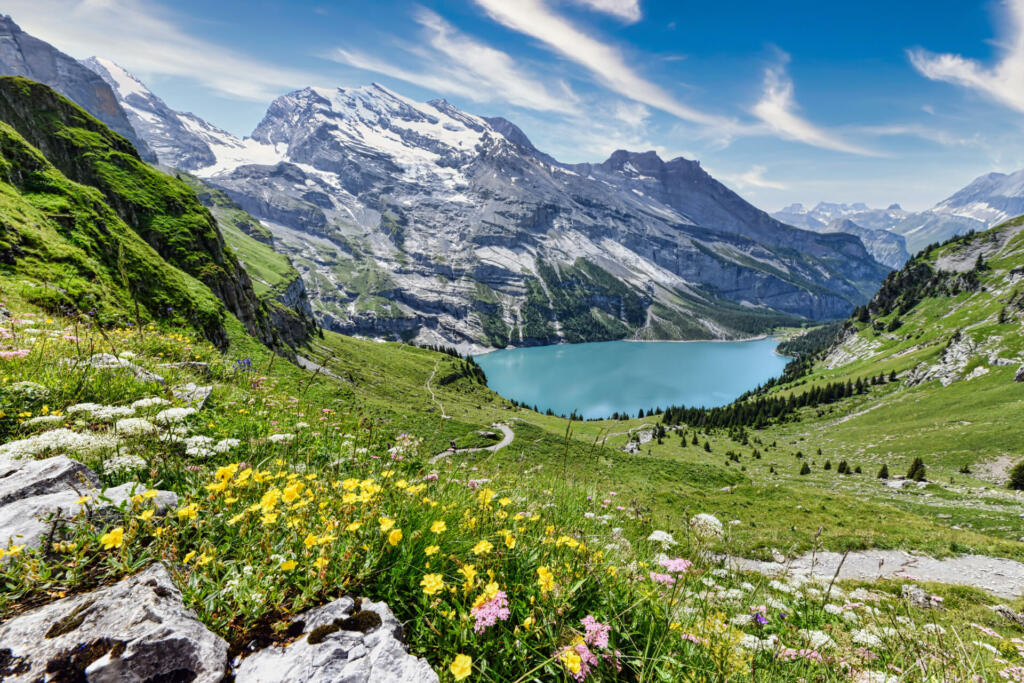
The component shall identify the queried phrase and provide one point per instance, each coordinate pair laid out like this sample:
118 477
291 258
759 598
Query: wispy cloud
607 65
778 109
754 178
463 66
627 10
147 40
1003 82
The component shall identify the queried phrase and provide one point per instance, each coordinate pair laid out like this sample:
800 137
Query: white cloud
146 40
633 114
1003 82
605 63
754 178
627 10
465 67
777 108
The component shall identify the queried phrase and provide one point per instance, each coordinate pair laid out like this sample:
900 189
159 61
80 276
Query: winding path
433 396
509 436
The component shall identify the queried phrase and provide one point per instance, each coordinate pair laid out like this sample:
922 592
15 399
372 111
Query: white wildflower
741 620
833 609
720 572
705 527
56 440
662 537
874 677
933 628
44 420
851 617
755 644
281 438
134 426
775 584
866 638
301 425
101 412
151 402
172 415
225 445
123 463
818 640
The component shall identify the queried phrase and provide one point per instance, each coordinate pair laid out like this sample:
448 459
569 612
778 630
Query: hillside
159 209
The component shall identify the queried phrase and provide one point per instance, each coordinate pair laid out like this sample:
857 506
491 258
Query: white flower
123 463
101 412
301 425
134 426
933 628
741 620
721 572
833 609
171 415
198 446
755 644
851 617
662 537
818 640
61 440
225 445
775 584
44 420
281 438
705 527
151 402
866 638
875 677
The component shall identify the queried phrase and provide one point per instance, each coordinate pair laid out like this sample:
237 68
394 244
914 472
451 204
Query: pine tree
1017 477
707 446
806 469
884 472
828 464
917 470
858 470
843 467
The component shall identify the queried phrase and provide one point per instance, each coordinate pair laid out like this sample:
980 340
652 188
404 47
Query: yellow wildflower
432 583
395 536
545 579
146 515
482 548
439 526
288 565
320 563
461 667
430 550
385 524
354 526
113 538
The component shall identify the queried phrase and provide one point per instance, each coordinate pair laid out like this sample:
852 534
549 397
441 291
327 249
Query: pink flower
788 654
597 633
694 639
676 565
588 659
7 355
431 477
490 612
666 579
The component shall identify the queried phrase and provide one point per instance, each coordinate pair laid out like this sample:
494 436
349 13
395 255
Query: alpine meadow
307 380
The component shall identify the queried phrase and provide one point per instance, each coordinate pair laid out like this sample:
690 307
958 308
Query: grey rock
1019 377
108 361
27 478
28 521
193 394
25 55
916 596
1008 612
198 367
378 655
134 631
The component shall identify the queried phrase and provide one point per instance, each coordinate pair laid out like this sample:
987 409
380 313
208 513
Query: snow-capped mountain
24 55
179 139
422 221
824 213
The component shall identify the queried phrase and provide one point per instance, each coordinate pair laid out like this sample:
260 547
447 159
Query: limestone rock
108 361
21 479
134 631
1007 612
364 646
1019 377
192 394
27 521
916 596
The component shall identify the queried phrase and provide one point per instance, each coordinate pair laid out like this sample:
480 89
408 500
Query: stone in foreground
134 631
340 643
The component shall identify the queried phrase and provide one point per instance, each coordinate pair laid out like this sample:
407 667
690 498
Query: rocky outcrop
346 640
193 394
25 55
1019 377
134 631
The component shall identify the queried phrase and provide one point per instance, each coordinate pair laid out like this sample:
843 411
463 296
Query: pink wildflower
7 355
588 659
676 565
431 477
788 654
986 630
597 633
490 612
694 639
666 579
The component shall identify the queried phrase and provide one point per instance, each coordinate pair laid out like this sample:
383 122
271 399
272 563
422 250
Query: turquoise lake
601 378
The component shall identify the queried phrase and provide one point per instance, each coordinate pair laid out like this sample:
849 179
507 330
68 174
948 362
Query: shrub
1017 477
883 473
806 469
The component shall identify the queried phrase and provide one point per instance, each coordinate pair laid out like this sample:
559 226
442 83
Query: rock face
340 642
886 247
134 631
25 55
420 221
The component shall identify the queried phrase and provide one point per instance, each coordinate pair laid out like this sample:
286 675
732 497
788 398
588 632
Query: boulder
193 394
108 361
1019 377
21 479
917 596
134 631
356 641
27 521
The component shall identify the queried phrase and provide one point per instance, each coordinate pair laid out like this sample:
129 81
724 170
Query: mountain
884 246
824 213
421 221
179 139
110 210
24 55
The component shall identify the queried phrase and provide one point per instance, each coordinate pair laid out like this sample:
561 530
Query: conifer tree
883 473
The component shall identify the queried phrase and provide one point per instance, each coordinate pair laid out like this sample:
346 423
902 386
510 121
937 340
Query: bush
1017 477
806 469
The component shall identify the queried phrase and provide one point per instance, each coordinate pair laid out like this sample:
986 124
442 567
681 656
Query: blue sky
874 101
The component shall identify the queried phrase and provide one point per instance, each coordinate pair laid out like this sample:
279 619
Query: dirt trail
999 576
433 396
509 435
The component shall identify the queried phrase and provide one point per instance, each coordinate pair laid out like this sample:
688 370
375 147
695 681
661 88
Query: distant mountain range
987 201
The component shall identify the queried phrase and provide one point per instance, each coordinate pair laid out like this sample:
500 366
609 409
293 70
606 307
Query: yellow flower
204 559
113 538
527 623
461 667
395 536
292 491
269 518
311 540
432 583
83 500
188 557
439 526
288 565
468 571
350 484
385 524
146 515
354 526
504 501
510 541
572 660
225 473
482 548
320 563
431 549
188 512
545 579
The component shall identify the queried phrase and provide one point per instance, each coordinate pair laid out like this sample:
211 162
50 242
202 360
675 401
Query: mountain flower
461 667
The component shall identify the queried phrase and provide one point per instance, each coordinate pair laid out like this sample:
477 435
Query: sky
787 101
